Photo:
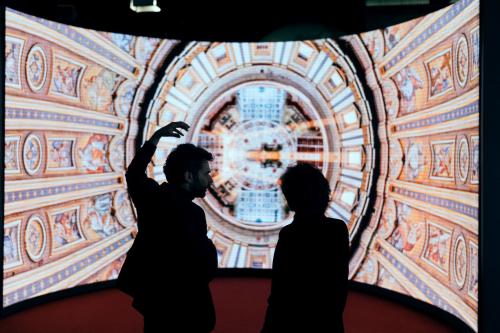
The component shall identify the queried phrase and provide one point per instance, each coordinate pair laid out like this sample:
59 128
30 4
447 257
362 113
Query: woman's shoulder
333 221
287 229
335 224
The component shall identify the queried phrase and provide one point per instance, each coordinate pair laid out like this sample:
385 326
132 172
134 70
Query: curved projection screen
391 116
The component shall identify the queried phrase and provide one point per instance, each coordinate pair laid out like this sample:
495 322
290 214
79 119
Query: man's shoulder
196 209
180 202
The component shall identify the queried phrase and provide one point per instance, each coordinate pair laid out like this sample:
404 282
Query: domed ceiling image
260 108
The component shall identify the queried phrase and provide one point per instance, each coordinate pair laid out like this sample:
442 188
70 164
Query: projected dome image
390 116
260 108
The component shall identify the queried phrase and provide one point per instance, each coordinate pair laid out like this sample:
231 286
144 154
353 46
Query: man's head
306 189
187 167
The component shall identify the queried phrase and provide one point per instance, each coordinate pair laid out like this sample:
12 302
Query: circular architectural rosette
463 159
259 108
32 154
462 61
459 261
36 68
35 237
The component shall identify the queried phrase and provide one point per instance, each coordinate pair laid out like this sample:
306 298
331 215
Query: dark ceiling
227 20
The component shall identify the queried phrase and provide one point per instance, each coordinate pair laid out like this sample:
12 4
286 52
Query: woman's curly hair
305 188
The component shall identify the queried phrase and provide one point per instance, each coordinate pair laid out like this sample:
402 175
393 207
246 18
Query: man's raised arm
138 182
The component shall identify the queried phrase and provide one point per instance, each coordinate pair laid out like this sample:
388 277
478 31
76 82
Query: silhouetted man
171 262
310 266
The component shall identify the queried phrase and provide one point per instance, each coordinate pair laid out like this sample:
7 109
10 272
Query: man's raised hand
172 130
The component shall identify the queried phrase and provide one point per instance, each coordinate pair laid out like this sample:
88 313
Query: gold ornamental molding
22 22
445 31
41 192
420 277
46 271
448 124
458 207
111 124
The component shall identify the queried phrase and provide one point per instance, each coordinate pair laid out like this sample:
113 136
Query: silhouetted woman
310 267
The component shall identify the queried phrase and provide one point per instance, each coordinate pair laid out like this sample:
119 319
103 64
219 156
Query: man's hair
305 188
184 157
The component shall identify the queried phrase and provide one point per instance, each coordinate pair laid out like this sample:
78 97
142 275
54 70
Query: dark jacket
309 277
172 260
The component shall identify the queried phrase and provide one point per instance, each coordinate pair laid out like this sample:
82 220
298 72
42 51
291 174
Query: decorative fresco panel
443 157
440 74
11 154
12 244
437 247
66 77
93 154
409 231
98 87
415 160
66 229
473 281
409 81
474 36
99 222
13 51
60 154
474 159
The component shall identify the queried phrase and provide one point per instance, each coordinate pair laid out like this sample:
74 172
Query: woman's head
306 189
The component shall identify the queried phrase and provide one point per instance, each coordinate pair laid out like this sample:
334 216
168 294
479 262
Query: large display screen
390 116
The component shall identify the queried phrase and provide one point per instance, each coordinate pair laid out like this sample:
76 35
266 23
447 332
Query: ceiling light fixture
144 6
